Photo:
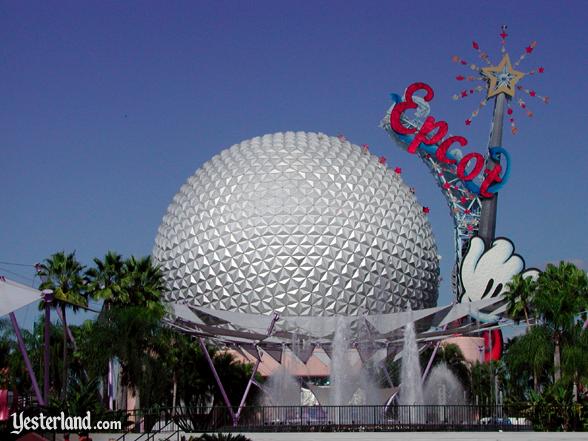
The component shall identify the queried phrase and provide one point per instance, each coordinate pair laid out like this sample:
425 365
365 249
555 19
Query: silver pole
487 228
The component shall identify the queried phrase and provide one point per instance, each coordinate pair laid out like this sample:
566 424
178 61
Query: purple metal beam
48 297
387 374
217 379
430 363
252 378
25 356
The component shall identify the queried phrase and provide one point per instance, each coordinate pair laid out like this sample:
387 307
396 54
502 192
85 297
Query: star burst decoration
497 79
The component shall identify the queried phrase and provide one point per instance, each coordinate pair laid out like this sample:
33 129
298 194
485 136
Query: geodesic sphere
301 224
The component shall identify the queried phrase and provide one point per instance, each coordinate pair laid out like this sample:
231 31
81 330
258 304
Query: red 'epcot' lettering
441 152
428 126
492 176
408 103
463 164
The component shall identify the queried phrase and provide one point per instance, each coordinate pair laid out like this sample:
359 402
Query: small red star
398 170
464 93
509 111
467 211
475 45
468 122
529 49
541 70
446 186
460 78
503 35
463 199
532 93
426 210
382 160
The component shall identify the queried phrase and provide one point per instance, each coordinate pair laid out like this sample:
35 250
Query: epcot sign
429 137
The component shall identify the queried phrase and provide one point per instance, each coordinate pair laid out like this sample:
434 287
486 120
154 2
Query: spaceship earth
300 224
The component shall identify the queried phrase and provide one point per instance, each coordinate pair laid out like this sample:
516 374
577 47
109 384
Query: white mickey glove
485 273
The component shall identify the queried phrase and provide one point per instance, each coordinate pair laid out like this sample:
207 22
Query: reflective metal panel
298 223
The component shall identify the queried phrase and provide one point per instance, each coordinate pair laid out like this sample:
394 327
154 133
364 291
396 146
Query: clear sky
106 108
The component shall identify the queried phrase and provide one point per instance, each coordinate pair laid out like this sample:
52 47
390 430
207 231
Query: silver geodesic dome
301 224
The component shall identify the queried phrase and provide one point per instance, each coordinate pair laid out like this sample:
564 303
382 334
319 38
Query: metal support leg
430 363
252 378
218 380
384 367
25 356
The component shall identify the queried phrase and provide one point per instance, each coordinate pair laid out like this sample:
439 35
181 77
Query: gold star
502 78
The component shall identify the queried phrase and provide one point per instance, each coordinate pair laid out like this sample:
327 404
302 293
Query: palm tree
575 358
519 294
105 280
143 283
130 282
62 273
132 292
561 295
530 355
105 283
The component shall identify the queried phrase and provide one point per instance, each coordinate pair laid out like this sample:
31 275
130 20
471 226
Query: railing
333 419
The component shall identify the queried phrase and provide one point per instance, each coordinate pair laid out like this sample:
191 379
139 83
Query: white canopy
252 328
386 323
460 310
14 296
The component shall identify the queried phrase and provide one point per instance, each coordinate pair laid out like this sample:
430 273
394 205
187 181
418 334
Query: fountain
282 389
442 389
411 387
343 380
351 381
352 384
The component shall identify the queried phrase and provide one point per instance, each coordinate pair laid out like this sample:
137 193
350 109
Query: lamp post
48 297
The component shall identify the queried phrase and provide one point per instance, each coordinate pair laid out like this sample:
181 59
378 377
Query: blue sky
106 108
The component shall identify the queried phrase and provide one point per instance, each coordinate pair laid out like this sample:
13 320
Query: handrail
349 417
149 433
